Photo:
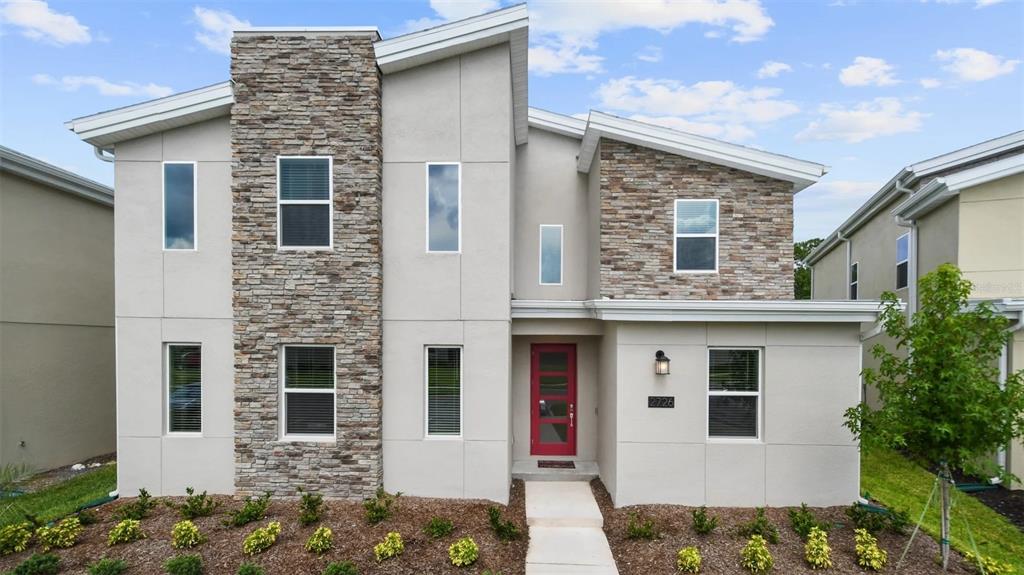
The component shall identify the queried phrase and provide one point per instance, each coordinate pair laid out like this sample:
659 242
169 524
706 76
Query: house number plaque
661 401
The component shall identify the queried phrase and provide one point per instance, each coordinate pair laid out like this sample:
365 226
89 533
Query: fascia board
804 311
557 123
967 155
937 191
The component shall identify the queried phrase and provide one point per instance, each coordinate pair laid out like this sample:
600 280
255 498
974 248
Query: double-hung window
853 280
308 392
184 363
696 236
304 196
444 207
444 391
550 255
734 393
179 205
902 260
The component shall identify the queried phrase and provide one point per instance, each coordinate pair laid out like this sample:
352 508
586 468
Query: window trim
426 394
283 434
167 390
329 202
426 204
676 235
759 427
561 254
906 261
195 205
853 283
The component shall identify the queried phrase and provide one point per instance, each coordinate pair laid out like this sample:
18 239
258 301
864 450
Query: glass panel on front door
553 393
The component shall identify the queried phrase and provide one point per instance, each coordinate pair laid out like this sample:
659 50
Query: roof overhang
557 123
771 311
937 191
49 175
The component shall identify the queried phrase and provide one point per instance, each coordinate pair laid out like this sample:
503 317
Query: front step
561 504
527 470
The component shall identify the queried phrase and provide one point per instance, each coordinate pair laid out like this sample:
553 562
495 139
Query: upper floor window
179 205
308 390
902 260
551 255
444 207
184 388
444 391
853 280
696 236
734 393
304 214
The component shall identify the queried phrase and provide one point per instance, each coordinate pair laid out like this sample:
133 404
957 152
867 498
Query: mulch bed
353 539
721 548
1009 504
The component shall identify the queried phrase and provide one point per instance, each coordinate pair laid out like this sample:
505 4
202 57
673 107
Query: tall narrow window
308 380
179 206
444 391
551 255
304 215
696 235
902 260
444 206
853 280
184 388
734 393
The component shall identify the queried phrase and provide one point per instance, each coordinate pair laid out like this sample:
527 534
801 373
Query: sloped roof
44 173
937 191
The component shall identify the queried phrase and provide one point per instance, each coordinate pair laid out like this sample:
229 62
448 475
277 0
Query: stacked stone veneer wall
316 95
638 190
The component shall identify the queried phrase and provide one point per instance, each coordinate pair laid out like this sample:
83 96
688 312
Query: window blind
696 235
304 197
309 390
305 179
444 390
733 392
184 388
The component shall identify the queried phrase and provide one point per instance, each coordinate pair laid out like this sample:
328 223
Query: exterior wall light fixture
661 363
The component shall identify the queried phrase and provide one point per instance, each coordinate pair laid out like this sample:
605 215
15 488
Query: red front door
553 417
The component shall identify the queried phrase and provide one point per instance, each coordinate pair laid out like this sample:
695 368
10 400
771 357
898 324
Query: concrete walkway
565 530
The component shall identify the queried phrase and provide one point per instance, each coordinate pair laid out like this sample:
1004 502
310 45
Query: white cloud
549 56
929 83
729 132
972 65
867 71
772 69
38 21
102 86
984 3
649 54
448 10
217 26
822 207
864 121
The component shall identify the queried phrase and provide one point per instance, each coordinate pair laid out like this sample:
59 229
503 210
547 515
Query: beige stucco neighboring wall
1015 453
829 275
873 248
991 237
937 237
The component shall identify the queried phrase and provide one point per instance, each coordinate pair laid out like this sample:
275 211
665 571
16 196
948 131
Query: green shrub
504 529
688 560
816 550
185 535
803 520
44 564
184 565
310 507
702 523
63 535
639 528
391 546
988 565
438 527
464 552
869 555
136 509
107 566
379 507
342 568
875 521
126 531
201 505
755 556
320 541
261 538
14 538
88 517
249 569
253 509
760 526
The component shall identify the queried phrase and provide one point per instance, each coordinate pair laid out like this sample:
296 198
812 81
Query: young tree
802 272
943 405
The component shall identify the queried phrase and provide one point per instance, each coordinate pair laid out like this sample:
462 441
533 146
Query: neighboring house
966 208
378 265
56 314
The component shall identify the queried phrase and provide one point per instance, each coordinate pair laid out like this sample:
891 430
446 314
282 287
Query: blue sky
865 87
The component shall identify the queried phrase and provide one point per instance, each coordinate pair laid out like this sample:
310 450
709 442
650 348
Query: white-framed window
183 376
551 246
444 207
443 365
180 183
308 398
853 279
696 236
902 260
305 195
734 393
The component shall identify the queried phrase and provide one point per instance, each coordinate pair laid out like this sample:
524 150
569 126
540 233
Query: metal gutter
49 175
772 311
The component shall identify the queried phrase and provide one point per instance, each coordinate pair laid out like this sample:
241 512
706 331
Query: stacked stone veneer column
638 189
307 95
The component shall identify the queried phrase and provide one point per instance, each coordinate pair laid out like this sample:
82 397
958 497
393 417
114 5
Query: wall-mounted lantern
661 363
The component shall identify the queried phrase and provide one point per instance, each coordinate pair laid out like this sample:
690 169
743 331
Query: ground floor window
308 382
444 391
184 388
734 393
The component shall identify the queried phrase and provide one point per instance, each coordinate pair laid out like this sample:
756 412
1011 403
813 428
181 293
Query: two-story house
366 262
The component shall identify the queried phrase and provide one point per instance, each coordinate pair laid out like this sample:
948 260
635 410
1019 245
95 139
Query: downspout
99 154
1004 369
912 250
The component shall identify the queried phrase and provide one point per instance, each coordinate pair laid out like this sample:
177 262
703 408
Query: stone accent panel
638 189
307 95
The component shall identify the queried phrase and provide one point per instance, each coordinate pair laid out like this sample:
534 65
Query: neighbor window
184 388
853 280
179 206
304 186
696 235
444 391
902 260
444 198
734 393
551 255
308 379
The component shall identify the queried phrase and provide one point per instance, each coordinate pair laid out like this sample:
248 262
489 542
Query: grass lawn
891 479
62 498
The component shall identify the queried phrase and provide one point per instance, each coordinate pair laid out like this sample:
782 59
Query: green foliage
639 528
261 538
63 535
755 557
464 552
702 522
869 555
391 546
201 505
379 507
874 521
108 566
253 509
438 527
249 569
688 560
320 541
14 538
803 521
503 528
760 526
87 517
44 564
816 550
310 507
136 509
988 565
185 535
342 568
802 272
126 531
184 565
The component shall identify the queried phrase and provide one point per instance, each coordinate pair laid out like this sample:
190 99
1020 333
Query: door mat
548 464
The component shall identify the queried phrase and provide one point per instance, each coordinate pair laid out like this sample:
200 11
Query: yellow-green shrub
816 550
126 531
989 565
261 538
755 556
688 560
320 541
185 535
391 546
463 552
869 555
62 535
14 538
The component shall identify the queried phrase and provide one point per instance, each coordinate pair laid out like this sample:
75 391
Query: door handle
572 414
